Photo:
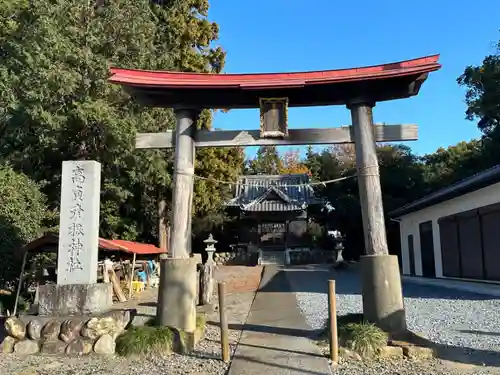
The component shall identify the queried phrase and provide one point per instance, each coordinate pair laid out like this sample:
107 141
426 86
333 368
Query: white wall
409 224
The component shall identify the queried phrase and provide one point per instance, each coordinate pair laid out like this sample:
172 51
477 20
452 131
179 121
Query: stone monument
77 290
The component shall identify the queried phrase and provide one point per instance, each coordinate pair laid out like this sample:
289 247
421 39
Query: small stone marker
79 223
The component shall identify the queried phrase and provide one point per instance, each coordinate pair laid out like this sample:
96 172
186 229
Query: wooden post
183 184
21 279
106 268
224 336
116 286
370 193
332 310
380 276
162 228
131 277
168 235
37 293
179 247
146 270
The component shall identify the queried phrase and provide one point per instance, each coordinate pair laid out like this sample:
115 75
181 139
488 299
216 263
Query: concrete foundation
75 299
382 292
177 294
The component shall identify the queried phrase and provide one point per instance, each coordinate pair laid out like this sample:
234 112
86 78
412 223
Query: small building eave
462 187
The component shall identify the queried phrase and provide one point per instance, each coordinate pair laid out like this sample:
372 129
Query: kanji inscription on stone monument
79 223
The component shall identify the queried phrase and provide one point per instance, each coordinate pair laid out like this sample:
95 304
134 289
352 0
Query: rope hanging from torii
309 184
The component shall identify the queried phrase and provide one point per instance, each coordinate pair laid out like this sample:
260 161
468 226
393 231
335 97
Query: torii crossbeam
244 138
359 89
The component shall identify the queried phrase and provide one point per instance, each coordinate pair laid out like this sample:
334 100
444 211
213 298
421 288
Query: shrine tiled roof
273 193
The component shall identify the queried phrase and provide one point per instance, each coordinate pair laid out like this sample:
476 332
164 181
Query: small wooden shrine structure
118 258
273 210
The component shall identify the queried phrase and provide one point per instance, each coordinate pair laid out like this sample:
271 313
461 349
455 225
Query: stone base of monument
382 292
177 294
75 335
75 299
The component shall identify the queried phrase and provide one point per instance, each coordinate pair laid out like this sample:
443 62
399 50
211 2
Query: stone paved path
274 338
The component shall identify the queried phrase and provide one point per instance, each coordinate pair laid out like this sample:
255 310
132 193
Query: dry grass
358 335
151 339
364 338
146 340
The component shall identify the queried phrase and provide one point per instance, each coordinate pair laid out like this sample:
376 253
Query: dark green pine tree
56 103
267 161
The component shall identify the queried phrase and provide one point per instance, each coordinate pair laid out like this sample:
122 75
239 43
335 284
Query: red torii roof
250 81
329 87
104 244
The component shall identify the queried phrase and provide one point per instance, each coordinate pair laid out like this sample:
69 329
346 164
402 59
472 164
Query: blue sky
283 36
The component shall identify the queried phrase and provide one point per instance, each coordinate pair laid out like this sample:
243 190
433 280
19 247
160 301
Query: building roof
41 245
462 187
329 87
273 193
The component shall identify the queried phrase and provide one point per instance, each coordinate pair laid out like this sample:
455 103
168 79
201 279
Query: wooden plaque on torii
273 117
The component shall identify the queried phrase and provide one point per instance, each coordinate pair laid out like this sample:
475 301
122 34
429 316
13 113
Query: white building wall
409 224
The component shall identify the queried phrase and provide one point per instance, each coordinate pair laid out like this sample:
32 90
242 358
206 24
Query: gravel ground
408 367
467 324
204 361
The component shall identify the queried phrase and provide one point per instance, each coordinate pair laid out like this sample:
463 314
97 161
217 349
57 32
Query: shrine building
273 214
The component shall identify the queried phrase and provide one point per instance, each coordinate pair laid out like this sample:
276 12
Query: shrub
364 338
146 340
342 320
358 335
22 214
151 339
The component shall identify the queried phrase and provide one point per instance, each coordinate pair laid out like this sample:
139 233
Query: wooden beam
243 138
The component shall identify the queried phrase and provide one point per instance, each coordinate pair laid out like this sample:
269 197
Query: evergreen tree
56 103
267 161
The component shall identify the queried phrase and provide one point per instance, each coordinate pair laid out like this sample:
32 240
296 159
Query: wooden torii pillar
358 88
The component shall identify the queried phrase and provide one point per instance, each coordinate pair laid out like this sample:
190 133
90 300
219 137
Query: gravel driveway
467 325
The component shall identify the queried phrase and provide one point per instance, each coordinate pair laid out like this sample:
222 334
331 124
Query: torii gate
359 89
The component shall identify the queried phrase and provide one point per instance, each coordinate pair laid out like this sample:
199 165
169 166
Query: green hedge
22 213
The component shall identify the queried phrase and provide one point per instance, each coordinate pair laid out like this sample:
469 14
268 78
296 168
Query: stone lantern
207 272
338 247
210 249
